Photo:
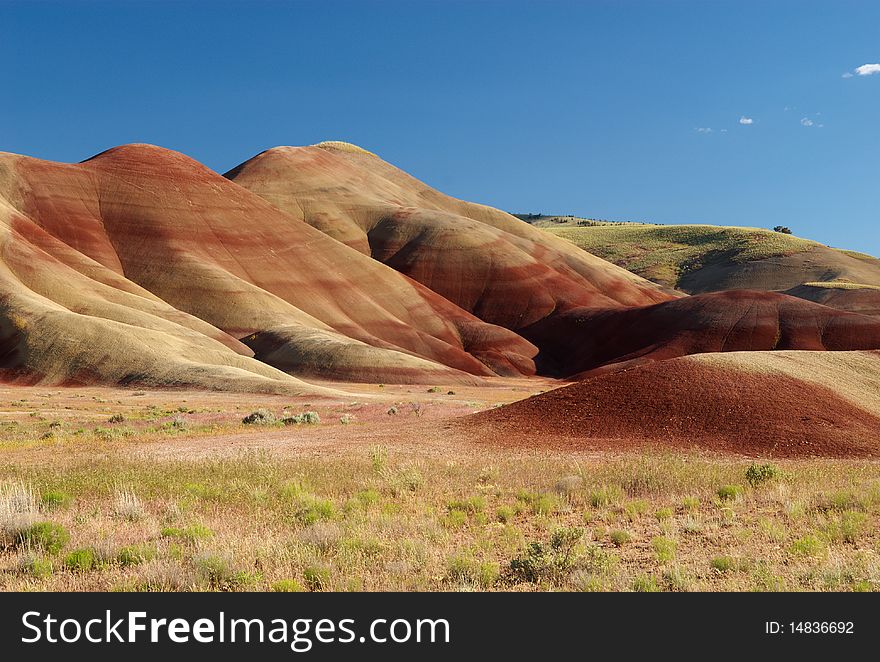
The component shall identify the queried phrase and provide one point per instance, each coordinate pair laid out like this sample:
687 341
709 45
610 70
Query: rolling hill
784 404
142 266
708 258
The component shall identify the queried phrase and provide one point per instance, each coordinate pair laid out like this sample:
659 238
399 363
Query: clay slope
484 260
786 404
739 320
140 264
581 311
853 297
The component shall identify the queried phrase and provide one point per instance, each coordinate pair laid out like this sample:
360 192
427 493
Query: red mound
155 224
740 320
484 260
685 403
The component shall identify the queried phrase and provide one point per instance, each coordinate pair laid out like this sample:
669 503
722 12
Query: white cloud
868 69
746 120
806 121
723 130
847 75
703 129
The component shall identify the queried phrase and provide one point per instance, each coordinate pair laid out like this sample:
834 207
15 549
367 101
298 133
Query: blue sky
593 108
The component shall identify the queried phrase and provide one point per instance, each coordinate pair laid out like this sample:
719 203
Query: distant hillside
708 258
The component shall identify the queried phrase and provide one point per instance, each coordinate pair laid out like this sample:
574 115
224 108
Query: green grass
47 536
80 560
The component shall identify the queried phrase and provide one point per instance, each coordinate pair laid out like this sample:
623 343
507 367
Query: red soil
684 403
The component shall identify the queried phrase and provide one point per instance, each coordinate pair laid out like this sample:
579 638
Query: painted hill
482 259
767 403
521 277
141 265
707 258
734 321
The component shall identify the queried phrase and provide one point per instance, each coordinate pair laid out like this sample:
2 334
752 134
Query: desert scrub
664 253
808 546
367 498
620 537
722 564
317 577
471 505
286 586
218 570
305 418
407 478
676 578
307 508
505 513
323 536
549 561
259 417
643 583
54 499
17 503
80 560
664 548
47 536
463 567
34 565
605 496
127 505
136 554
540 504
664 514
378 458
190 534
758 474
568 486
176 424
729 492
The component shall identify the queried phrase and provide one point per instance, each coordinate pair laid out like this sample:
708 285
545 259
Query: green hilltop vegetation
677 255
663 253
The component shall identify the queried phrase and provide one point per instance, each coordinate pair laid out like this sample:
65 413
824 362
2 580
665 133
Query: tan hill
707 258
140 264
791 404
482 259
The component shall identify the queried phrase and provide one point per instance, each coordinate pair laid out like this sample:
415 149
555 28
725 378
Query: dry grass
842 285
663 253
145 509
342 146
355 522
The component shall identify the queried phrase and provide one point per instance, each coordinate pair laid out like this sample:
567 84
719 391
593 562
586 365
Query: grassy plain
184 496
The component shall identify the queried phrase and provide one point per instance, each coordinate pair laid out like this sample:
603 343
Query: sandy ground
413 419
